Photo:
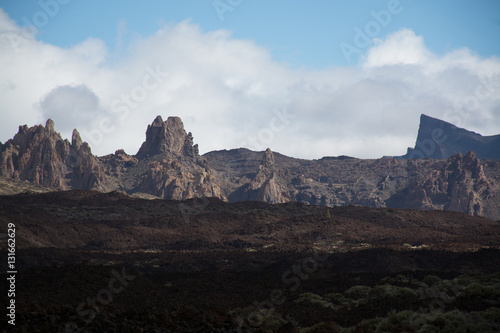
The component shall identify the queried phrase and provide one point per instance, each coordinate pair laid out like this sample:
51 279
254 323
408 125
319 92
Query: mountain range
448 169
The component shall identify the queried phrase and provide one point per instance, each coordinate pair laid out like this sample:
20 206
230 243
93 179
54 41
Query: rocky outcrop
172 179
174 168
85 171
439 139
467 184
458 184
116 167
462 183
168 166
265 186
167 137
40 156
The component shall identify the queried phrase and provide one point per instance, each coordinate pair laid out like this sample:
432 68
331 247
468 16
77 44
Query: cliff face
439 139
168 166
458 184
461 183
468 186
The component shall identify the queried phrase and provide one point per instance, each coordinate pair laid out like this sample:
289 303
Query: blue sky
298 33
354 80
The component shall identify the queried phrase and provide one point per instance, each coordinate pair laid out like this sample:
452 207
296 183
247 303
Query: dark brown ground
199 266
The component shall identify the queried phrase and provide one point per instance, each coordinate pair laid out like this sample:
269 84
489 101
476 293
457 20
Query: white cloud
230 92
400 48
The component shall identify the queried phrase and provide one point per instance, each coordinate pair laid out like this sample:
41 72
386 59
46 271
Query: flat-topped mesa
167 137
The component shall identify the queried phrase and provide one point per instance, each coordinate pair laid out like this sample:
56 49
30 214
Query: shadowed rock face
168 166
439 139
459 184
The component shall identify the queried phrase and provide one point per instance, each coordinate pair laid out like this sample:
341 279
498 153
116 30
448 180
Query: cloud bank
230 93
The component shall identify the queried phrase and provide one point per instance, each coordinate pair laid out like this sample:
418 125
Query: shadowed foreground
93 262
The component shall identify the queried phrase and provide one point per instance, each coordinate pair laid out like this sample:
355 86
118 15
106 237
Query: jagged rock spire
268 159
40 155
49 125
76 140
167 137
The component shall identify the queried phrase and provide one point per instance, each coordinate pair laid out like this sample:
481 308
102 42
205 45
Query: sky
306 79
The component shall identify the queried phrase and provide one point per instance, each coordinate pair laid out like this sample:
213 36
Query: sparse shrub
322 327
272 320
448 322
430 280
358 292
315 299
406 293
388 291
491 314
446 285
336 301
335 298
387 279
453 321
346 330
264 318
401 278
381 292
399 319
419 284
463 280
369 325
475 290
309 297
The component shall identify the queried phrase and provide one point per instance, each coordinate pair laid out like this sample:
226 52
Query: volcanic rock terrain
88 261
241 241
169 166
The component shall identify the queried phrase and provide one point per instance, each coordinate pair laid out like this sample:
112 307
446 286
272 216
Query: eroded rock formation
458 184
169 166
265 186
167 137
174 168
39 155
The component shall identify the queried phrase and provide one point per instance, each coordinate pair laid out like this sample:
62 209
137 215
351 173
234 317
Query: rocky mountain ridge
168 165
439 139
